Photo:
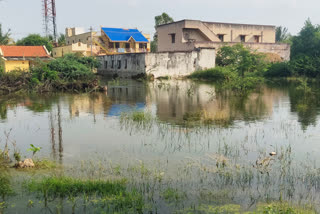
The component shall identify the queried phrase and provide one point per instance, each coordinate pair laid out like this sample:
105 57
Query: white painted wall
173 64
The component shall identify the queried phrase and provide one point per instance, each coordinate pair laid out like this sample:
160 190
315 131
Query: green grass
272 208
66 186
111 195
213 74
5 186
173 195
45 164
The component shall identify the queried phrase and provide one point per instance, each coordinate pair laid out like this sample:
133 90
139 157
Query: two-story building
188 35
119 40
109 41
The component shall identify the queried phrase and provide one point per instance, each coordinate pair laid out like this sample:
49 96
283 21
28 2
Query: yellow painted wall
16 65
74 48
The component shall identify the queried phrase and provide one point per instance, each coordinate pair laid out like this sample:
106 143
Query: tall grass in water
101 194
5 186
137 120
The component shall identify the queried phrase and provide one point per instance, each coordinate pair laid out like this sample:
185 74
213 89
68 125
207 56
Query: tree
164 18
62 40
307 42
4 37
36 40
281 34
241 59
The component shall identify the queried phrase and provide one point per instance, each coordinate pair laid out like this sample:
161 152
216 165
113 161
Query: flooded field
164 147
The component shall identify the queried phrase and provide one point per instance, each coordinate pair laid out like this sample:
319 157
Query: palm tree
4 37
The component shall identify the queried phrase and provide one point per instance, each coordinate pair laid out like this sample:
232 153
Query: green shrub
213 74
241 59
279 69
70 67
304 65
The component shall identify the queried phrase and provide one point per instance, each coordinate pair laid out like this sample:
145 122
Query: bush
213 74
70 67
241 59
279 69
304 65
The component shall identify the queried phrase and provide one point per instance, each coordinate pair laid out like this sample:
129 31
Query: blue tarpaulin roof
123 35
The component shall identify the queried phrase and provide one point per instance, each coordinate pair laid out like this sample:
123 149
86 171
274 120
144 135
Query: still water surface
77 127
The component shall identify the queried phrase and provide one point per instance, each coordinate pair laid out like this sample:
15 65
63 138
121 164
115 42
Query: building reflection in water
174 99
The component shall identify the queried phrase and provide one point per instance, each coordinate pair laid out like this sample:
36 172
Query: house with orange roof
21 57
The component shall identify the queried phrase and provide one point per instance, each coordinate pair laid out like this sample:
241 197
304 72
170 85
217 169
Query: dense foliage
70 72
36 40
305 55
241 59
238 69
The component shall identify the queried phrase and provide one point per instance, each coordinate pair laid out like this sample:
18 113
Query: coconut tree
4 37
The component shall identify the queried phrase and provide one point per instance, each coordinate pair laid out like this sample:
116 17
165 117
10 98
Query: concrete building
188 35
79 48
118 40
174 64
110 41
21 57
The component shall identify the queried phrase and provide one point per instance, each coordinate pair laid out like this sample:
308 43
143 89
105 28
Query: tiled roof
123 35
24 51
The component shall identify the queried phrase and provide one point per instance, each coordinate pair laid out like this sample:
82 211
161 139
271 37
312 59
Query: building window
143 45
111 45
256 39
79 40
242 38
117 45
106 64
221 37
119 64
112 64
127 45
72 41
173 38
125 64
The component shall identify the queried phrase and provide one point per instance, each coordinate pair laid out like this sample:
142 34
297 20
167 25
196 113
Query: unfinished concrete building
188 35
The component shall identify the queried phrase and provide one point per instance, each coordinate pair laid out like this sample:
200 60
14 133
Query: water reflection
176 99
77 128
172 101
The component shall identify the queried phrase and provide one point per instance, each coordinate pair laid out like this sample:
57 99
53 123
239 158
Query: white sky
25 16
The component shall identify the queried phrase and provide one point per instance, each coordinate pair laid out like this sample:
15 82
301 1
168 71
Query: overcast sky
25 16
